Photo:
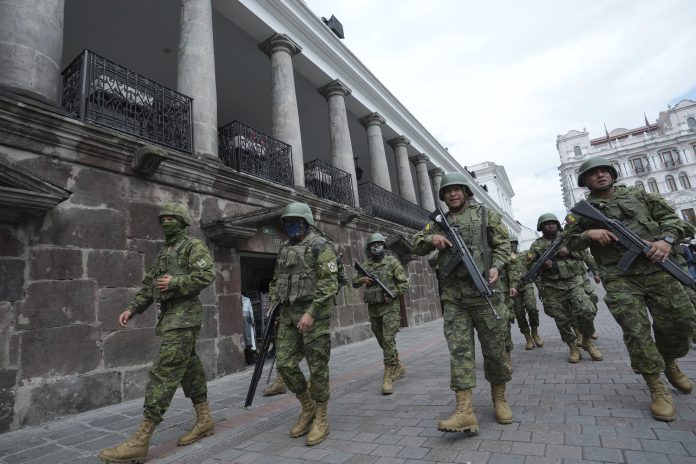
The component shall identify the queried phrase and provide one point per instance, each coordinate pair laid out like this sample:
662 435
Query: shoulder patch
427 227
202 263
332 266
571 219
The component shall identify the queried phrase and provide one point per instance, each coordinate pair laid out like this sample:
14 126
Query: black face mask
377 251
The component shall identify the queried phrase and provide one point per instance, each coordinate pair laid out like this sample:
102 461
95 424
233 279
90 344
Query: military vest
296 279
564 267
469 225
167 262
383 270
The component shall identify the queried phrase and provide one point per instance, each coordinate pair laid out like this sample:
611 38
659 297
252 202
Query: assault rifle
634 245
460 254
550 253
261 357
362 271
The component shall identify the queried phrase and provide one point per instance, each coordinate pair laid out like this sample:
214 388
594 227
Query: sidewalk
563 413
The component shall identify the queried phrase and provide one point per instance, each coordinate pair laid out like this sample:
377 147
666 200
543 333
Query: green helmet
297 209
455 178
176 210
376 237
547 217
595 163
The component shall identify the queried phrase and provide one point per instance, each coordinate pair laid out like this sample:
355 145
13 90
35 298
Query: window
640 185
652 186
640 165
578 151
670 158
691 122
671 184
684 180
689 215
617 166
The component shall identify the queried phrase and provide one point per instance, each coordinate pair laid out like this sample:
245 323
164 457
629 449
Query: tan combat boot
387 387
204 426
399 370
574 356
537 339
503 414
662 406
463 419
309 409
276 388
507 361
595 354
530 342
320 426
134 449
676 377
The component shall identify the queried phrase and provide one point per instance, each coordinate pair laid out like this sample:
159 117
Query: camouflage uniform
524 303
463 307
305 280
643 288
509 278
385 318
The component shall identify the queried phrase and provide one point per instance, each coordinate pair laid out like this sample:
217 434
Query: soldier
644 288
561 284
509 280
305 282
524 303
463 307
182 269
383 311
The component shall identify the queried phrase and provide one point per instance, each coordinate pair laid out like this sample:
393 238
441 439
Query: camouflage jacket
646 214
511 274
565 269
190 264
389 271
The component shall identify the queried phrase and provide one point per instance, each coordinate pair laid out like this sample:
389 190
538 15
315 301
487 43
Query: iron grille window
248 150
381 203
640 165
329 182
670 159
100 91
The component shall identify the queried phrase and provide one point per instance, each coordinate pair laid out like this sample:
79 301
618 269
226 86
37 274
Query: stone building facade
269 107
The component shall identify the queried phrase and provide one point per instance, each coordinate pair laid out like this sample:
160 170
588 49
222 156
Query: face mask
294 229
170 229
377 249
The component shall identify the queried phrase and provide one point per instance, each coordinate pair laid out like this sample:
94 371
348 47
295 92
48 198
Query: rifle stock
261 357
362 271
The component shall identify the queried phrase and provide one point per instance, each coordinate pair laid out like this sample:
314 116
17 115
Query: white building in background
658 157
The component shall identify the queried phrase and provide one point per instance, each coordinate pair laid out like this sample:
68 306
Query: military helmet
454 178
595 163
176 210
547 217
297 209
376 237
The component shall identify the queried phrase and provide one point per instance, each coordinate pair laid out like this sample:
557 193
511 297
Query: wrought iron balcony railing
673 163
248 150
329 182
100 91
381 203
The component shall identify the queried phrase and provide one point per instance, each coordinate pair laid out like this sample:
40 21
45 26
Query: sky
498 81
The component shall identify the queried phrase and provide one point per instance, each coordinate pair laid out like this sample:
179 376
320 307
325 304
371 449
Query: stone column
379 171
341 149
196 73
285 116
425 190
31 48
403 170
436 175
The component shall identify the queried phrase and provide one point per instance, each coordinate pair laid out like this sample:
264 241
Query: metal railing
248 150
376 201
329 182
100 91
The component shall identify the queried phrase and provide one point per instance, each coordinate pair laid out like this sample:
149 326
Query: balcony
248 150
328 182
672 163
381 203
99 91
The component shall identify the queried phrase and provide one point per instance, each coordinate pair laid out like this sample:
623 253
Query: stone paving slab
563 413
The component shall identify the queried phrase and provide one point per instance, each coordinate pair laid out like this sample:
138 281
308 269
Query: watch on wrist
668 239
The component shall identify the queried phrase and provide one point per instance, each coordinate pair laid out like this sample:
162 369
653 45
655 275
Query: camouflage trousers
177 363
384 322
314 346
460 320
631 297
570 307
589 289
525 306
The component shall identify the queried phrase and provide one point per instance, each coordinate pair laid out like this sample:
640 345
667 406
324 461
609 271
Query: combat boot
588 346
399 370
537 339
320 425
387 387
676 377
574 356
204 426
530 342
134 449
578 339
662 406
463 419
507 361
276 388
304 422
503 414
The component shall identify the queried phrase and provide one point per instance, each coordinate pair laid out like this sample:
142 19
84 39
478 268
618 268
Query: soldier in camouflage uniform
305 282
182 269
524 302
385 317
589 289
561 284
464 309
644 289
509 281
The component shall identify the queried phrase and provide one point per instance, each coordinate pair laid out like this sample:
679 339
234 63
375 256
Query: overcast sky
497 81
